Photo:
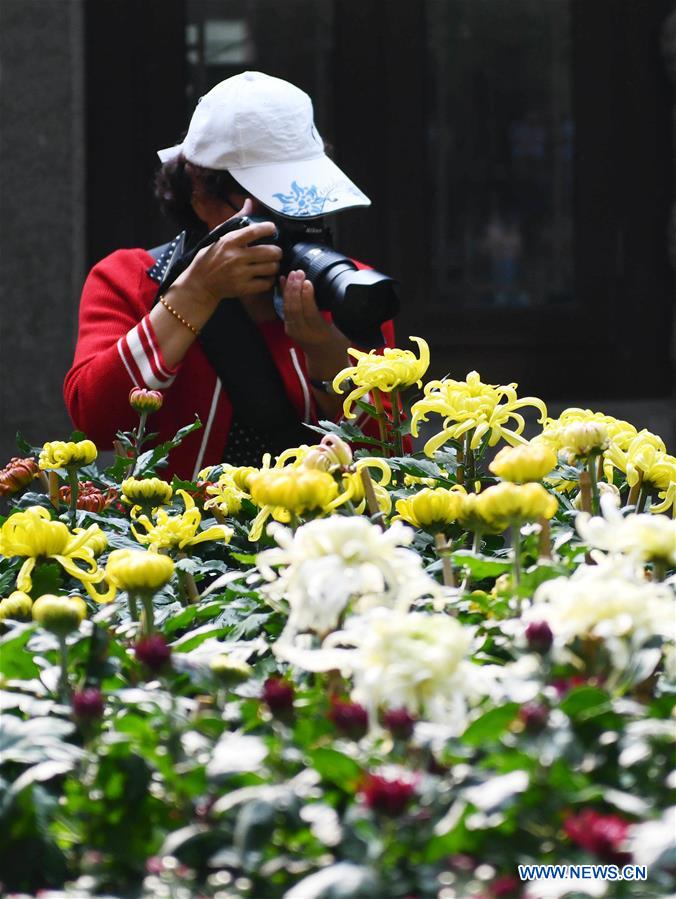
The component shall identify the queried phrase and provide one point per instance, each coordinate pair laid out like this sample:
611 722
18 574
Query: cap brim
170 153
307 188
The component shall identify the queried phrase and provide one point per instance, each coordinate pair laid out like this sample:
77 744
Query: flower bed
350 672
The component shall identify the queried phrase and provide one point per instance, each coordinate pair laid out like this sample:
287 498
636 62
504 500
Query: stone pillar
42 204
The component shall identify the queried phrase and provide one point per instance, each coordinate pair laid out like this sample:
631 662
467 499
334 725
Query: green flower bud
16 606
59 614
229 671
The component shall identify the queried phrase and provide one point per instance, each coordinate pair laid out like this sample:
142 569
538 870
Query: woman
212 340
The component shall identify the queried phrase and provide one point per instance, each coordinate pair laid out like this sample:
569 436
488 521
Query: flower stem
476 544
585 491
591 468
189 587
545 539
380 416
74 489
659 570
441 548
371 500
133 606
54 489
643 495
635 490
460 469
468 452
64 688
516 549
396 422
148 614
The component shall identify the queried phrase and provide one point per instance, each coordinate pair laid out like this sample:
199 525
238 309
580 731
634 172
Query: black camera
359 300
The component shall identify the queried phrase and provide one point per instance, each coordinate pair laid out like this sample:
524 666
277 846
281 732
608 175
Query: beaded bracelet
179 317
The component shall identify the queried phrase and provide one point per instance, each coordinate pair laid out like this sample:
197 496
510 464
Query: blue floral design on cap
302 200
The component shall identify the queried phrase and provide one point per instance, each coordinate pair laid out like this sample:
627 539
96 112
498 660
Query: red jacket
117 349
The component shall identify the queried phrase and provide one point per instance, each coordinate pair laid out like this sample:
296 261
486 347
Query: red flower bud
539 636
154 652
89 497
534 716
387 796
600 835
142 400
88 704
399 723
16 475
278 695
350 718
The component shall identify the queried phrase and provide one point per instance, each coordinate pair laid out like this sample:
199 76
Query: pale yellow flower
620 432
178 530
285 492
646 459
58 454
33 535
331 453
353 486
520 464
16 606
138 570
146 491
471 405
581 440
432 509
59 614
385 371
505 504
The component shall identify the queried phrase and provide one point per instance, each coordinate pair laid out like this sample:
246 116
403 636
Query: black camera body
359 300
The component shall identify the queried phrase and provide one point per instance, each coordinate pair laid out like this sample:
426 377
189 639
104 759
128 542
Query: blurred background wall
519 157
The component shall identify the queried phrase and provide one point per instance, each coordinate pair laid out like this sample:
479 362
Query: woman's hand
230 267
303 321
325 347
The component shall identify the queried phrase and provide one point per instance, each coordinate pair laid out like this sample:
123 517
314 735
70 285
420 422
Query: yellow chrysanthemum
432 509
146 491
138 570
620 432
505 504
59 614
521 464
33 535
178 530
17 606
353 486
284 492
227 494
471 405
646 459
392 369
95 539
58 454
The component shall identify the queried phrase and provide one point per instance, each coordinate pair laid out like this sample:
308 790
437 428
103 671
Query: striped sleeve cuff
142 357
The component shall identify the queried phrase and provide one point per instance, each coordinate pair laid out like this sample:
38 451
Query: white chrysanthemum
329 563
604 601
645 537
416 661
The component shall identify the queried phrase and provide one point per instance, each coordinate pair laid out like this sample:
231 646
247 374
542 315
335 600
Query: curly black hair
175 183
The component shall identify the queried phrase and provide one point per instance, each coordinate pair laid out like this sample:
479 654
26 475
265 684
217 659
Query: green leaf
336 768
585 702
480 566
491 725
15 660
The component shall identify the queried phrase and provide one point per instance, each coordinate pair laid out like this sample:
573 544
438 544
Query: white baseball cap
261 130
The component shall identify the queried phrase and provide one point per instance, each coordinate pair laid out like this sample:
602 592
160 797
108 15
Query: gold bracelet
179 317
